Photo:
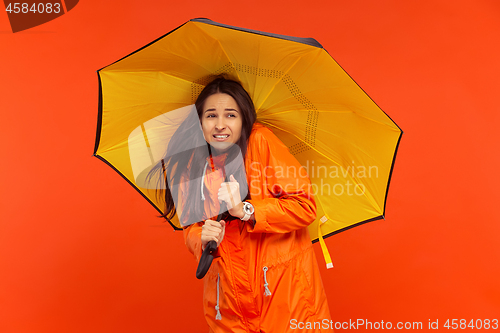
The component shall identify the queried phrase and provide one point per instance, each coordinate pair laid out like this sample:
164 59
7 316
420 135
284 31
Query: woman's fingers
212 225
229 192
229 188
212 230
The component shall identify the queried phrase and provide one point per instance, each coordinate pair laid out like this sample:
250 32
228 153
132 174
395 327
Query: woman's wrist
237 211
240 212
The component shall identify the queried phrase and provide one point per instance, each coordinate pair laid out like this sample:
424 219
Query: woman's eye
231 115
210 116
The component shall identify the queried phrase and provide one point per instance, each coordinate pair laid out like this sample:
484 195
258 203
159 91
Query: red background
81 251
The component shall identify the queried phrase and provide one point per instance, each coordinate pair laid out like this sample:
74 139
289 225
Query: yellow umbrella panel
345 142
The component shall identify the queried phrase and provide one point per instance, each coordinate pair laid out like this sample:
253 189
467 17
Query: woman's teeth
221 136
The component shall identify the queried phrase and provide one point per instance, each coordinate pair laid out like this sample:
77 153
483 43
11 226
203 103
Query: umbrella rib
375 121
217 40
303 141
284 74
270 91
350 110
229 60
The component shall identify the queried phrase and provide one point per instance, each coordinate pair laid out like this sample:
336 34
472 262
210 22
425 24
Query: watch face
248 208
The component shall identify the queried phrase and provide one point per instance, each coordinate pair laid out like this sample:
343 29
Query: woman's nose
220 124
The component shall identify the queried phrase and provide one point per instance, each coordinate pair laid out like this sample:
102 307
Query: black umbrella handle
207 256
206 259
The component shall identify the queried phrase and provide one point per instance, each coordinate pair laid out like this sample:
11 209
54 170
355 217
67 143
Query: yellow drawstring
326 254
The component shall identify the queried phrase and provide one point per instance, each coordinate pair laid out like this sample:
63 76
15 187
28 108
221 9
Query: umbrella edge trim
303 40
99 117
392 169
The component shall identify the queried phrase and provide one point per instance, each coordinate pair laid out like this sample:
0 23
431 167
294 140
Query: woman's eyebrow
227 109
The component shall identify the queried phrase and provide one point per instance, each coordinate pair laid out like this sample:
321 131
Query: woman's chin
221 146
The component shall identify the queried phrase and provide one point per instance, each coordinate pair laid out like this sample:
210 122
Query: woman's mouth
220 137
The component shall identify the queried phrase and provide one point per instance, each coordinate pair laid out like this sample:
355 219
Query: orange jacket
265 277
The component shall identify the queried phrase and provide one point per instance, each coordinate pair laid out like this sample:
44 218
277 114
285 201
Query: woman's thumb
231 178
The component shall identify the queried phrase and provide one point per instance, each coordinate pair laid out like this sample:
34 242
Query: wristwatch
248 210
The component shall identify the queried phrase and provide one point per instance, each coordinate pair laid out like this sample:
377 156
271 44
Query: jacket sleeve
192 239
280 188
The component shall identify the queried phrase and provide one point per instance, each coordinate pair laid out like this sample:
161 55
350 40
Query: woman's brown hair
176 168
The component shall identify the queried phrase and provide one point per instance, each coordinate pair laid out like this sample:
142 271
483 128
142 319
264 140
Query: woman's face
221 121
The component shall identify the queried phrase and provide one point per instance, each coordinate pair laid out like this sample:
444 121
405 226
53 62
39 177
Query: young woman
264 277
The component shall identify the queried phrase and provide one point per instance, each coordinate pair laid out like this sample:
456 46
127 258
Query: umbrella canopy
345 142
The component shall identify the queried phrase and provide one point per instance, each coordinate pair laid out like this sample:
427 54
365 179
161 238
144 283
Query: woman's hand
212 231
230 194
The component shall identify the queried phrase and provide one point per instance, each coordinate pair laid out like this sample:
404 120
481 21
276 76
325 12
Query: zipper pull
218 316
267 292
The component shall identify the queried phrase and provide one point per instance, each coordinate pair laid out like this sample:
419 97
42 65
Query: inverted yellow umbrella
345 142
